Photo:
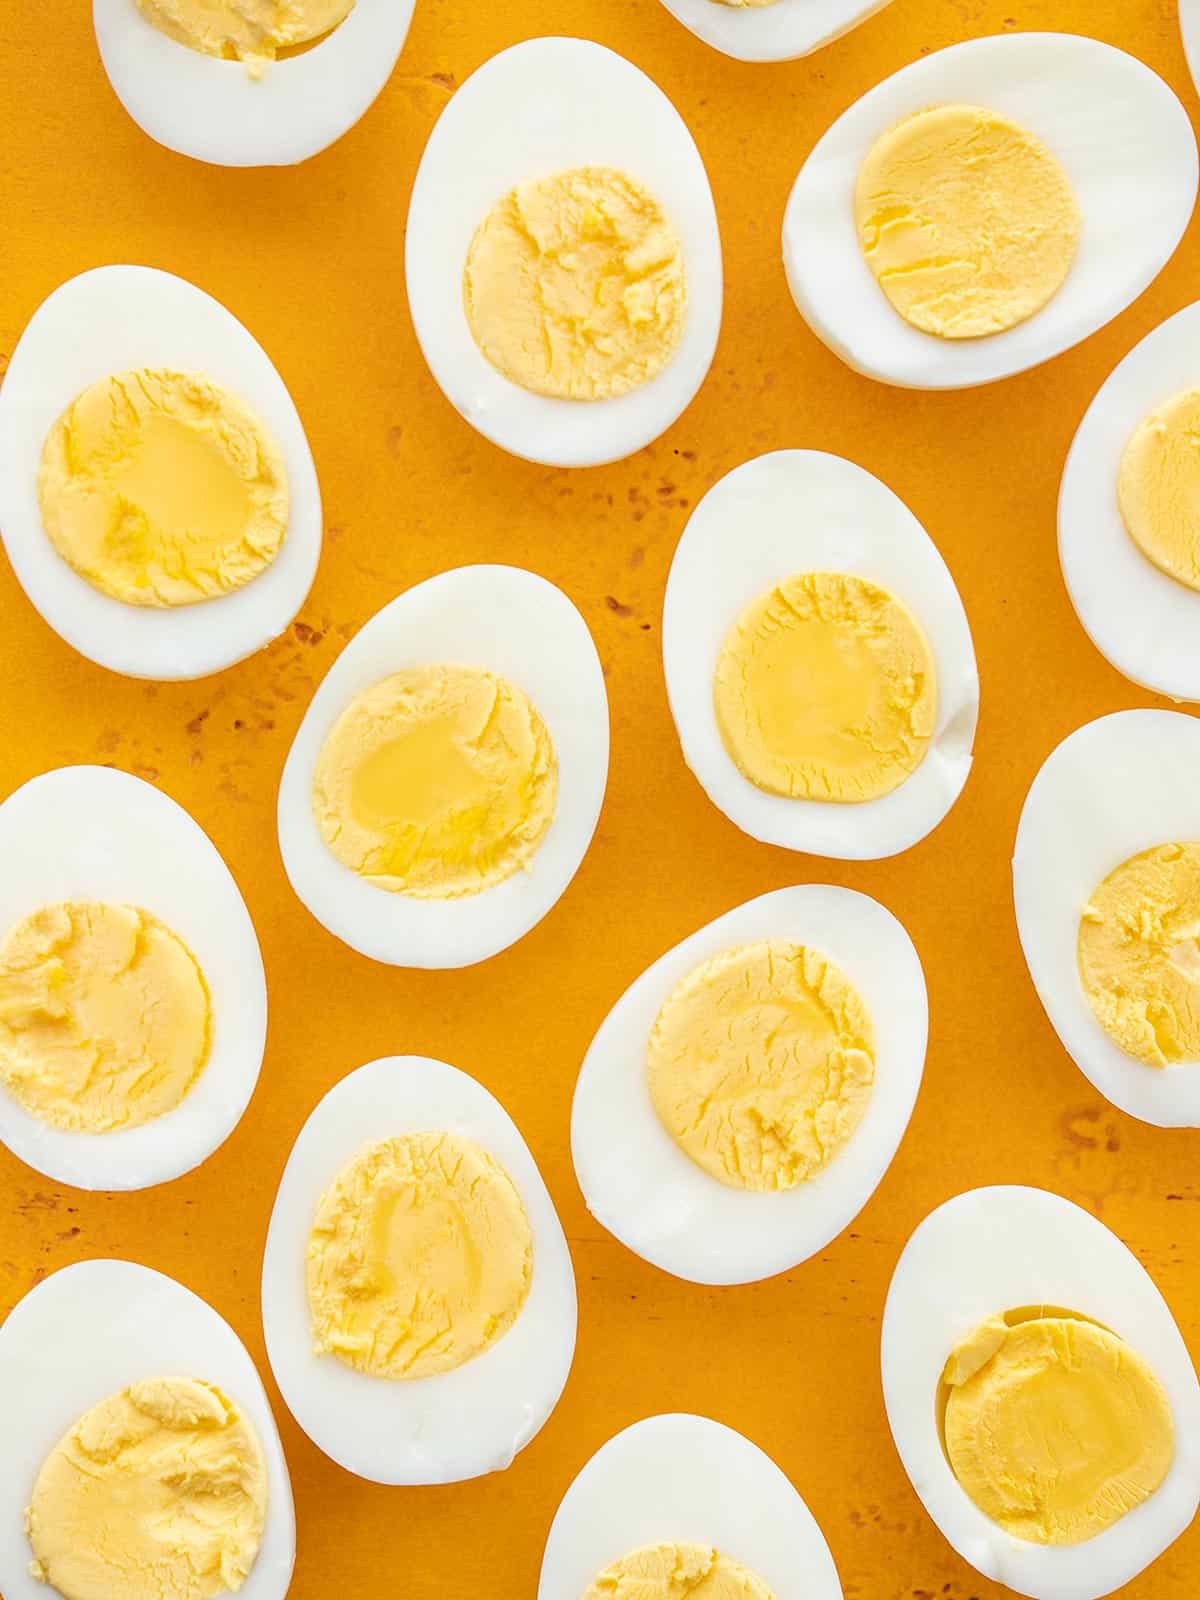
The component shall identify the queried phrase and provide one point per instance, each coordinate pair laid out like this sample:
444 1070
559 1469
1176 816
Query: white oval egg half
686 1480
533 110
799 511
994 1250
645 1190
1189 25
508 621
1142 621
1113 788
455 1425
89 1331
1119 132
106 321
224 113
778 32
90 833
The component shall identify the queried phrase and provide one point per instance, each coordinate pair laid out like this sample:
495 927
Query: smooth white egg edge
779 32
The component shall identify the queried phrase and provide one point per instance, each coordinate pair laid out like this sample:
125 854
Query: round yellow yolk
162 489
825 690
967 221
677 1572
1159 488
244 29
760 1064
437 782
157 1493
1055 1427
420 1258
105 1019
574 285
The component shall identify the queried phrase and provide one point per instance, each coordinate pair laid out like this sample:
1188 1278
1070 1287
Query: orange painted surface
311 260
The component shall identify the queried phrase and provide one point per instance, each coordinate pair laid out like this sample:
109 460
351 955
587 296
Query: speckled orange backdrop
311 260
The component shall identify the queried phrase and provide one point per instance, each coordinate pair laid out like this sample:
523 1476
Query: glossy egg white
455 1425
686 1480
1119 132
90 833
778 32
643 1188
223 113
799 511
107 321
86 1333
533 110
1111 789
511 622
1000 1249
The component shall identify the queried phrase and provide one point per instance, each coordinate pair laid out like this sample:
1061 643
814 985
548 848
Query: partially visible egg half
536 109
89 1331
996 1250
1189 23
780 31
680 1479
91 833
455 1424
798 511
640 1184
1129 155
108 321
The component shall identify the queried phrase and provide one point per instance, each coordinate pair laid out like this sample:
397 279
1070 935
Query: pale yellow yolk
761 1063
825 690
967 221
420 1258
677 1572
437 782
244 29
743 3
574 285
1159 488
1055 1427
105 1019
157 1493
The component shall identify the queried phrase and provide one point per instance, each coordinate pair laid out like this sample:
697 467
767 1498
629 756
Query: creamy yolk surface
244 29
162 489
825 689
574 285
157 1493
967 221
677 1572
105 1019
761 1063
1159 488
421 1257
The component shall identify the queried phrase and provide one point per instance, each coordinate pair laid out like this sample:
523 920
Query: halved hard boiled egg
770 30
1189 24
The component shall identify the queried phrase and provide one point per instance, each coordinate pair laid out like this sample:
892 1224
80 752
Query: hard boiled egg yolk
420 1258
825 689
437 782
104 1016
244 29
574 285
761 1063
1055 1427
157 1493
967 221
161 489
677 1572
1159 488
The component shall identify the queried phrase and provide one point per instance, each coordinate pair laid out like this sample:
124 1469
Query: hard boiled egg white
1189 23
641 1186
777 32
996 1250
536 109
1128 150
107 321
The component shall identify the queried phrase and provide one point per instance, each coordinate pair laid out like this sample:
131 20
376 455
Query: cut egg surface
780 31
90 1331
109 321
1009 1249
1115 128
536 110
637 1180
458 1423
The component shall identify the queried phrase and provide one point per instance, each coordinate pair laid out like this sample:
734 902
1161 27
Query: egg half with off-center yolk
770 30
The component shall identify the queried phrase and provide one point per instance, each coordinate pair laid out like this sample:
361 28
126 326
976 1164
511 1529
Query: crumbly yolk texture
1055 1427
157 1493
1139 954
677 1572
745 3
1159 488
825 689
438 782
244 30
162 489
761 1063
420 1258
575 286
967 221
105 1020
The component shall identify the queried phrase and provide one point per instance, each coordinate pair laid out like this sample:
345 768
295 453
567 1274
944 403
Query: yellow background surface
311 260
